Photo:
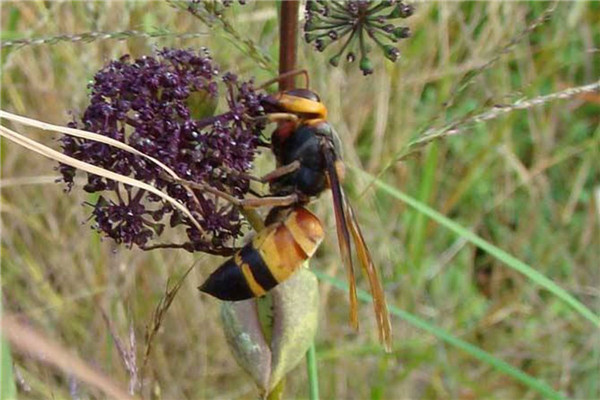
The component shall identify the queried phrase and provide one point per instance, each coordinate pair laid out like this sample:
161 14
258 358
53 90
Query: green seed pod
246 340
268 340
295 320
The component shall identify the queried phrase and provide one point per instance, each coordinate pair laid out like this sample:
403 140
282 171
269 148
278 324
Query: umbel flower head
154 104
356 23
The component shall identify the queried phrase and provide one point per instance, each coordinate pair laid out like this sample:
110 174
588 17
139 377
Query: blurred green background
528 182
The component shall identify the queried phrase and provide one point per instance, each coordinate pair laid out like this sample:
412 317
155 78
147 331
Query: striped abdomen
269 259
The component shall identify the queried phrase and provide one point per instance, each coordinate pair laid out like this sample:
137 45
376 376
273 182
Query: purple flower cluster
328 21
163 106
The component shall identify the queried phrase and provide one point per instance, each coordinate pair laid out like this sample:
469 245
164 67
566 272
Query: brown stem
288 41
288 48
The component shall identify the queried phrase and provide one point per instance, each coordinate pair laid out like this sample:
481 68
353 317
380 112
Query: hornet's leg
281 171
269 177
269 201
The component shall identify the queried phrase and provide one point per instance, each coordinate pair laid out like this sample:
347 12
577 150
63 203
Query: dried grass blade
29 342
84 135
73 162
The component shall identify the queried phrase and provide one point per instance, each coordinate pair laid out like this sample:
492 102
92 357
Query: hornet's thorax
301 134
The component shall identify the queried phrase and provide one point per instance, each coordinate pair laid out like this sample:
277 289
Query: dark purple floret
162 107
353 23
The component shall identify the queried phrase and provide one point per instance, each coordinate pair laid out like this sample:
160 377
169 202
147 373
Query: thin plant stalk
313 373
288 41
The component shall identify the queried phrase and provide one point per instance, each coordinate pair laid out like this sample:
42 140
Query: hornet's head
303 103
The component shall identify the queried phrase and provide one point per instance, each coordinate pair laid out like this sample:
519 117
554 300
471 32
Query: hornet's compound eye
304 93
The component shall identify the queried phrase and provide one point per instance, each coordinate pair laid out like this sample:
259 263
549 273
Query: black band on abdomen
258 267
228 283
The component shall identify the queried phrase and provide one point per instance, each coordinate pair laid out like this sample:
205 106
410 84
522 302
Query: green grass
8 389
496 252
452 340
313 373
486 240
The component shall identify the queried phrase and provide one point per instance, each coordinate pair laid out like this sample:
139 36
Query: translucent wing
342 229
364 256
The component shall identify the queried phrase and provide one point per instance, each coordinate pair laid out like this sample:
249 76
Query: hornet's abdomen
271 257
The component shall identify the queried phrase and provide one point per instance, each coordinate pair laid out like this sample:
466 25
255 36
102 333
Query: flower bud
402 11
366 66
389 28
309 26
309 37
391 53
312 5
335 60
364 20
322 43
401 32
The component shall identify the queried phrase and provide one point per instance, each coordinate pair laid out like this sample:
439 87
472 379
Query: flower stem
348 41
288 41
313 373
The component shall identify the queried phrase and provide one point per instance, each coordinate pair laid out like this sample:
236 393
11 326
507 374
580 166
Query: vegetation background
527 182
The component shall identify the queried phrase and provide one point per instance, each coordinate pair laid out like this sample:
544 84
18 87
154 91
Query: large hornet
308 157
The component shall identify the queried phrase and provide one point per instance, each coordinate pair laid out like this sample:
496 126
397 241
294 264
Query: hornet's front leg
269 177
269 201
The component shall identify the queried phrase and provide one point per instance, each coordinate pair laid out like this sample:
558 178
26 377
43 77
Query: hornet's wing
364 256
342 228
347 225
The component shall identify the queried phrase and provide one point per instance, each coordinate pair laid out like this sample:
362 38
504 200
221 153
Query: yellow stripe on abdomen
250 280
